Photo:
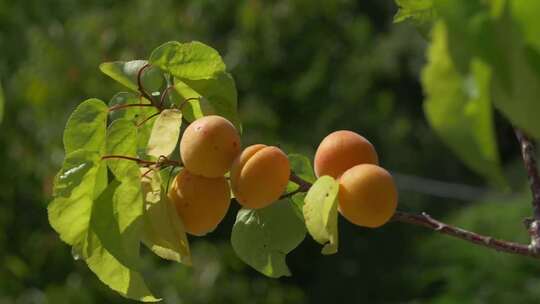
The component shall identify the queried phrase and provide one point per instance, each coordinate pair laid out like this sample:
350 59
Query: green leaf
488 30
113 240
420 12
1 103
74 192
193 60
165 133
459 109
262 238
163 231
135 114
126 74
301 166
320 213
121 140
86 126
216 96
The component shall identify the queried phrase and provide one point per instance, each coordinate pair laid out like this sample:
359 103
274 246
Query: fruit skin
367 195
200 202
342 150
259 175
209 145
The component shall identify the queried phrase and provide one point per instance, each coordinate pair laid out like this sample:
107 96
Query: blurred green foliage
303 69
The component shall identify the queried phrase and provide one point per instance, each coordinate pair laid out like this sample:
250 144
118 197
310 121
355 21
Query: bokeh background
303 68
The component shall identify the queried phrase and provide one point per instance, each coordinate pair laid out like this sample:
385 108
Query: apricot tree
122 185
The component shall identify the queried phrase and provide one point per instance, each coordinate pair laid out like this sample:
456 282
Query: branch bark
529 160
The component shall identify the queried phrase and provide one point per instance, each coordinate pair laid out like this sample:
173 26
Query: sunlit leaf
121 141
165 133
320 213
163 230
459 109
215 96
262 238
113 243
86 126
136 114
193 60
126 74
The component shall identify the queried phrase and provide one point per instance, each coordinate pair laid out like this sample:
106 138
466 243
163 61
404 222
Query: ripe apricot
209 146
342 150
201 202
259 175
367 195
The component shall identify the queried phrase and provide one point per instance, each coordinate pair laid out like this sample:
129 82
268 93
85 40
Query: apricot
201 202
209 145
342 150
259 175
367 195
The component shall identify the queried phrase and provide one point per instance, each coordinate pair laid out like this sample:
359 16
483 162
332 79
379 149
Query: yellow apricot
342 150
367 195
201 202
209 145
259 175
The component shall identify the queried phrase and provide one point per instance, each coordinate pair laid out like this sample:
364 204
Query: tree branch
529 160
426 221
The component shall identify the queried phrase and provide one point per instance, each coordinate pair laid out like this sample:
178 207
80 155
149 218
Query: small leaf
320 213
262 238
86 126
165 133
1 103
163 230
459 109
121 140
301 166
126 74
193 60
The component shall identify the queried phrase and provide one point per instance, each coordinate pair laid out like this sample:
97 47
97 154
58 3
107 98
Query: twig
304 185
529 160
123 106
427 221
140 86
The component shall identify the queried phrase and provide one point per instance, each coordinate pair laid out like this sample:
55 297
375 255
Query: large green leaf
74 192
216 96
163 230
320 213
165 133
459 109
487 30
86 126
1 103
262 238
193 60
121 140
126 73
113 240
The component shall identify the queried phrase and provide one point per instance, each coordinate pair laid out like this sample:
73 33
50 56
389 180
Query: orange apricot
367 195
209 145
342 150
201 202
259 175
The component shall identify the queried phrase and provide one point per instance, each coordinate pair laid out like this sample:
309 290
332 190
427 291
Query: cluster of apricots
210 147
367 193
